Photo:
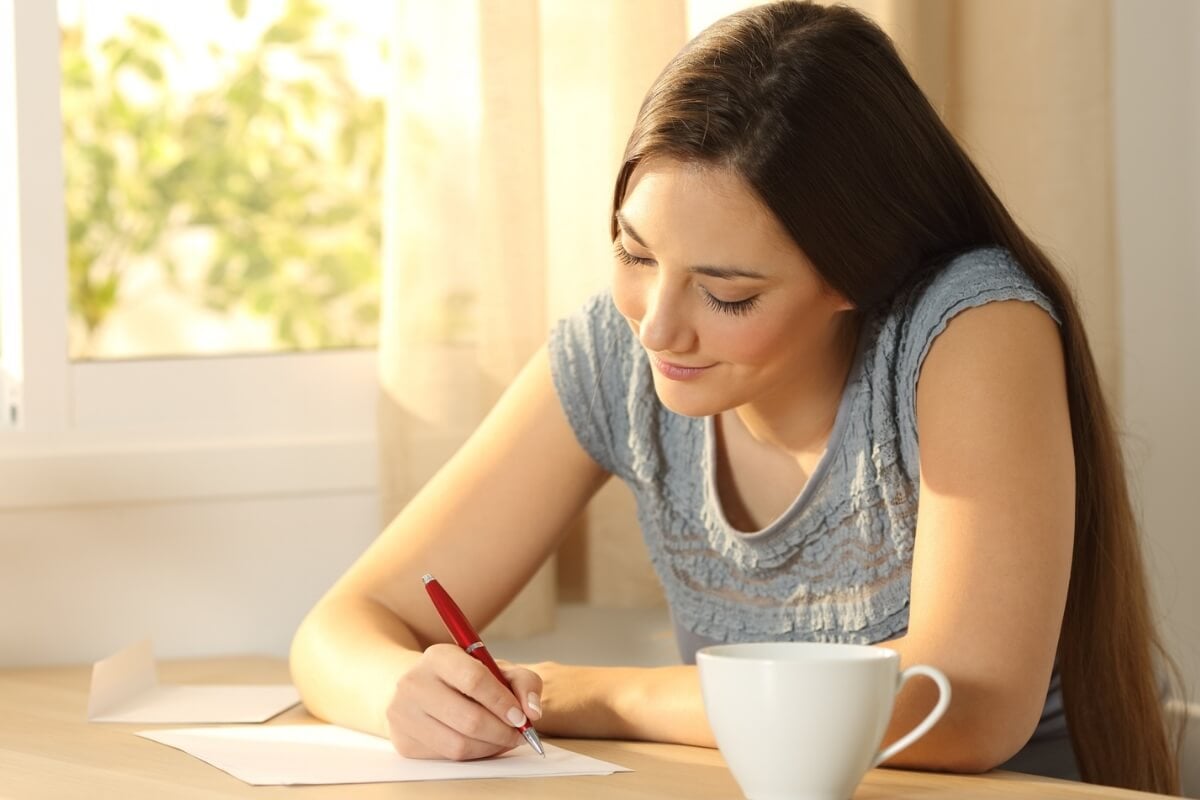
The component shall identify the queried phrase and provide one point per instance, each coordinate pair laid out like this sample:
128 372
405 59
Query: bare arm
483 525
990 568
995 531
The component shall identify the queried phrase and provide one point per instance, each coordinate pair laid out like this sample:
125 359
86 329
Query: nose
665 326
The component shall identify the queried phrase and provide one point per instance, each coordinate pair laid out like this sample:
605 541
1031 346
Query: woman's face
727 306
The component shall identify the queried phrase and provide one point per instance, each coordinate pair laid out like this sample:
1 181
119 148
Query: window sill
131 471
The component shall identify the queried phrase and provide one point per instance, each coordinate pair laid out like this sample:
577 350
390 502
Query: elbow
1001 731
302 637
977 746
305 661
968 755
973 757
299 657
971 741
298 651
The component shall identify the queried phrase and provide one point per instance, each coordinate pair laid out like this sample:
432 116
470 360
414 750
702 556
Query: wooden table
48 750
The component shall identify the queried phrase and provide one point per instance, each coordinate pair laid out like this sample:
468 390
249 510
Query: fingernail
515 717
535 704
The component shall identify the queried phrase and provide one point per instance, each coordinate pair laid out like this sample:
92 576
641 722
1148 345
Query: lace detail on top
835 566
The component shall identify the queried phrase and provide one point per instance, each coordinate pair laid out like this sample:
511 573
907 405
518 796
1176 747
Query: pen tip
534 741
426 578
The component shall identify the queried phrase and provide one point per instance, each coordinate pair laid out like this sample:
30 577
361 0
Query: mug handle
943 703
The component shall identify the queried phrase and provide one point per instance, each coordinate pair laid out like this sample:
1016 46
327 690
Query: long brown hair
814 108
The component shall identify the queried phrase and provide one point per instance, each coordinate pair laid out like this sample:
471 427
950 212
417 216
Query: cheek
771 338
750 340
628 295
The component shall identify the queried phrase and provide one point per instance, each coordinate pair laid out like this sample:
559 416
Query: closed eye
625 257
735 308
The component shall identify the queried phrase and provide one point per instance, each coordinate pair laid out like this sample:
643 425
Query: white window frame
145 430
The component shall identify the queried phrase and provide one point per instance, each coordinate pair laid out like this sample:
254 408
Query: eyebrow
725 273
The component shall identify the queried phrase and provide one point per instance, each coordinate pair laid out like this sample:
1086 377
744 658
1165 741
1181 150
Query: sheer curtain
506 126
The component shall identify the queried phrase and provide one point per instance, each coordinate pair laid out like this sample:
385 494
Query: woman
797 240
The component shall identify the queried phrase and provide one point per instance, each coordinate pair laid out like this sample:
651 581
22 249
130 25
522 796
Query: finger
477 682
403 725
409 747
445 742
423 694
527 686
416 733
468 718
454 745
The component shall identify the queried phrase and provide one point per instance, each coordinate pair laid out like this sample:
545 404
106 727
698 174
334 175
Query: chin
689 401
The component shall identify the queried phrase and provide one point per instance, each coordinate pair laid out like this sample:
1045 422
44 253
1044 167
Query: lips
677 372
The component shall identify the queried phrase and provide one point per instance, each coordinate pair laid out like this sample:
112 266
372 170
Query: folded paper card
272 755
125 688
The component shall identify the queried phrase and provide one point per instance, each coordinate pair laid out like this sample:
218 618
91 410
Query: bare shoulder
995 366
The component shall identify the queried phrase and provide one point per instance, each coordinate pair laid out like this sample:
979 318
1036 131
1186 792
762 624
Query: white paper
272 755
125 688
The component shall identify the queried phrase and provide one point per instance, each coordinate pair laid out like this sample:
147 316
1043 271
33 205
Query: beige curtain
506 126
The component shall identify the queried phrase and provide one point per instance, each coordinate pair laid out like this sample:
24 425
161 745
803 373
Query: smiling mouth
677 372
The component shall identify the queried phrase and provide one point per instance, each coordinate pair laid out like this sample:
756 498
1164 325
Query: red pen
466 638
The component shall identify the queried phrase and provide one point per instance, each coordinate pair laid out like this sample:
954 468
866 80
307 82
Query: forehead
695 207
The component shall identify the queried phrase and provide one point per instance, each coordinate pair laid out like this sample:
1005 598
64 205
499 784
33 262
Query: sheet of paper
271 755
125 688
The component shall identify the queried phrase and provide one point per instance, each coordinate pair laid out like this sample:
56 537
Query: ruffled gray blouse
836 565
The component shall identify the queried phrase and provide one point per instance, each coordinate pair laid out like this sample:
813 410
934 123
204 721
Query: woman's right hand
450 706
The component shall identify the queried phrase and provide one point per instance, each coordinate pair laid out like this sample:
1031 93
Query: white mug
802 720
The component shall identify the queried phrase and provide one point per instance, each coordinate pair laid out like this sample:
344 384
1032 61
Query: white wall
214 577
227 575
1157 135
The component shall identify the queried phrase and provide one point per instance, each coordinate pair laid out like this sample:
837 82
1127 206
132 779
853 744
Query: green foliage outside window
281 168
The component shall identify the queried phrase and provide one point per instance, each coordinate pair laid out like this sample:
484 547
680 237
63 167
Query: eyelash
625 257
738 309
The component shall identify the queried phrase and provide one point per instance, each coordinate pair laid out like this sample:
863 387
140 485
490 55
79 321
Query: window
119 270
223 170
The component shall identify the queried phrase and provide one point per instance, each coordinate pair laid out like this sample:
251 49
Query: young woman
855 403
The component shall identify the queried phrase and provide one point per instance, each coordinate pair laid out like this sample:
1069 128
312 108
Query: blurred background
265 263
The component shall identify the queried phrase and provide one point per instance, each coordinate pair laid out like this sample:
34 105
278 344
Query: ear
840 301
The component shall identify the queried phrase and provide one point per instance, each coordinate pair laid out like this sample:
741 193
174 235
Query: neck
798 417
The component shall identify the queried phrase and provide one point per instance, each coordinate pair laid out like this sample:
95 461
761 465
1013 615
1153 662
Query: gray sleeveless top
835 566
